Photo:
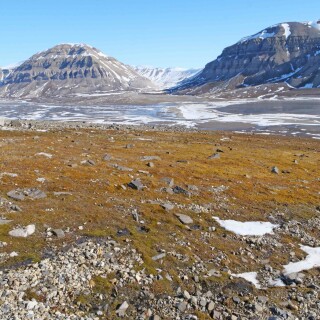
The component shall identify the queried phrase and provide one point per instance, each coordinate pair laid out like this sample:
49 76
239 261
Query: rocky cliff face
71 69
287 52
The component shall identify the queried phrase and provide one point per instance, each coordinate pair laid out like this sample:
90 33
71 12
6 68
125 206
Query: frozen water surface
286 117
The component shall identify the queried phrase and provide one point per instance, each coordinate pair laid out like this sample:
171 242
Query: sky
160 33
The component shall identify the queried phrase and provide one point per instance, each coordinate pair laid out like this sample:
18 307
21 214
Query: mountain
12 66
4 73
286 54
166 77
70 69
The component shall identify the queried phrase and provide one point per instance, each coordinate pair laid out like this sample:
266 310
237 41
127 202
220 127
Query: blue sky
184 33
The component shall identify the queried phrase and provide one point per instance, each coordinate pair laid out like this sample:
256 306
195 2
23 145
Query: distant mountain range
167 77
282 59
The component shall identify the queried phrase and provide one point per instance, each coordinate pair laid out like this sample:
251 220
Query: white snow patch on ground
311 261
250 277
250 228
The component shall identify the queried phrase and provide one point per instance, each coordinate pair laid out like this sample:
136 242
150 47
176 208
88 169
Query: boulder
184 218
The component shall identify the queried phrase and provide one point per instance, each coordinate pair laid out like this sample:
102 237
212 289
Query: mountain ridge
286 53
167 77
283 58
70 69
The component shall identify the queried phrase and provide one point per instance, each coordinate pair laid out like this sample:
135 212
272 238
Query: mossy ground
101 206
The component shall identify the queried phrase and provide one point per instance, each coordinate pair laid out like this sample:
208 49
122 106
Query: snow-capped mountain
68 69
287 53
12 66
166 77
4 71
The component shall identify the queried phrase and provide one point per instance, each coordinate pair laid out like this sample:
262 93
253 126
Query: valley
152 193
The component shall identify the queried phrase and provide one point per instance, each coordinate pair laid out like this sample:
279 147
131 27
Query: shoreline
233 128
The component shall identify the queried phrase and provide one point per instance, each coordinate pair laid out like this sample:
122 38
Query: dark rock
143 229
123 232
195 227
179 190
279 312
295 277
182 161
16 208
136 184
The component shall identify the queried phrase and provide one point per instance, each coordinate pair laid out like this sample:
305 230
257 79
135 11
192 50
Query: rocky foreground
145 224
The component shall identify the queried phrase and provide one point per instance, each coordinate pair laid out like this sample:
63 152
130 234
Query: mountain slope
287 53
68 69
166 77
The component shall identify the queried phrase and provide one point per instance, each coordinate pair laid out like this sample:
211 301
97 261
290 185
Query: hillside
70 69
284 55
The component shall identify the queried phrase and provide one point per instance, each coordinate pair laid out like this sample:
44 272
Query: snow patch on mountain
12 66
264 34
314 24
166 77
287 31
